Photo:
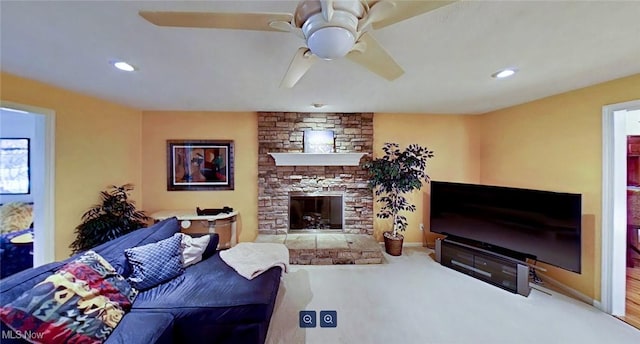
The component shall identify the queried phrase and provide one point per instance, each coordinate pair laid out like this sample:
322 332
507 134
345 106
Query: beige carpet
412 299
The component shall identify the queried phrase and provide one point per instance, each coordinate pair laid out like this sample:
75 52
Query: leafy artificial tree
396 173
114 217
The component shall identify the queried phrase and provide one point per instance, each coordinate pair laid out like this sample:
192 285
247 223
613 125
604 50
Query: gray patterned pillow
155 263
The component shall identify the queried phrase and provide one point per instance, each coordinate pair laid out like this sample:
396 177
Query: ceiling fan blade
287 27
407 9
302 61
371 55
239 21
381 10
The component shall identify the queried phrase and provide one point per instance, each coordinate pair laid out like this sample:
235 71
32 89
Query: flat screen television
543 225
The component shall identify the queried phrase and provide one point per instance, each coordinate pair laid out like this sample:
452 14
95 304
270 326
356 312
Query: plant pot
393 245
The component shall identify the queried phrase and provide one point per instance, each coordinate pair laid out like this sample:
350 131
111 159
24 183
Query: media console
503 268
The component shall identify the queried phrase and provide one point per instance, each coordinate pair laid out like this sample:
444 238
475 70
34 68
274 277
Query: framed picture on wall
199 165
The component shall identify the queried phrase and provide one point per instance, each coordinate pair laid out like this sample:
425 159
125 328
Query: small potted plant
391 176
116 215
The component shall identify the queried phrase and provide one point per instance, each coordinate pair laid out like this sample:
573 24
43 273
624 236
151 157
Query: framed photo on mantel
318 141
199 165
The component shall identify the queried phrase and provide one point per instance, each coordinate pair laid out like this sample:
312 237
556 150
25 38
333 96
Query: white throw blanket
250 259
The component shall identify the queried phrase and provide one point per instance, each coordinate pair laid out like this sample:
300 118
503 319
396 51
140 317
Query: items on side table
213 211
215 223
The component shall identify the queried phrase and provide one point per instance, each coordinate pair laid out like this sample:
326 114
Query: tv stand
502 268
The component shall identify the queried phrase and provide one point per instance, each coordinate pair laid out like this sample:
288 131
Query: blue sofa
210 302
15 257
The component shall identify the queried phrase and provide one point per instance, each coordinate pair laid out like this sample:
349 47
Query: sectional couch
210 302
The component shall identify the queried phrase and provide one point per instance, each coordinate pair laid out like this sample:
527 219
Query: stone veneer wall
283 132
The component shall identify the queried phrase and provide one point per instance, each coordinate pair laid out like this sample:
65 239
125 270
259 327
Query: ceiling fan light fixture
333 39
331 42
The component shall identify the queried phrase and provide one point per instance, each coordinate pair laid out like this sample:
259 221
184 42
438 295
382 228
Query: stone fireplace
280 132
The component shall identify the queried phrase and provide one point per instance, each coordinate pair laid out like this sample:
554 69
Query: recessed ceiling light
504 73
121 65
318 105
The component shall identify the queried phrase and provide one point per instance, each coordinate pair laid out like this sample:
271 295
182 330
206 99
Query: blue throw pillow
155 263
113 251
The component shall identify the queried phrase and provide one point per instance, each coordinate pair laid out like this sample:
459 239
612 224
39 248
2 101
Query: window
14 166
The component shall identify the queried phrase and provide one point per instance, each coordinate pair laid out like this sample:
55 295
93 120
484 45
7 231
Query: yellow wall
553 144
556 144
455 143
97 145
242 128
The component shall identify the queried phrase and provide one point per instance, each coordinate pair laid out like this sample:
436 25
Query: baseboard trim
597 304
408 244
564 289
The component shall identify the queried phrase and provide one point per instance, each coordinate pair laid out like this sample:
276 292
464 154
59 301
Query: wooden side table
187 216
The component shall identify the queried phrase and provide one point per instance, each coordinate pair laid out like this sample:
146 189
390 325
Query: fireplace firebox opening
317 211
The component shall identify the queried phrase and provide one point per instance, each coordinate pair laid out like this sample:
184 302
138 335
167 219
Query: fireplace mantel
317 159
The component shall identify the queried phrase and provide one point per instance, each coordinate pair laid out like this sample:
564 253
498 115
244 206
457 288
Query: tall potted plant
116 215
391 176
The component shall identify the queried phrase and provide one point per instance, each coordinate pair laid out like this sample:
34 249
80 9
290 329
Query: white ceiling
448 56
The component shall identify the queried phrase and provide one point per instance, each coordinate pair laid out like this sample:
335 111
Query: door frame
614 207
44 211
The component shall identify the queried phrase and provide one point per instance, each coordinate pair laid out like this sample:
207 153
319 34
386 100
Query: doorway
614 206
42 175
632 305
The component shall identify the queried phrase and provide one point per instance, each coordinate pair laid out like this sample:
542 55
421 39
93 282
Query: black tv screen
543 225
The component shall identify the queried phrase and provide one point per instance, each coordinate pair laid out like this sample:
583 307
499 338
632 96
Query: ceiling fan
331 28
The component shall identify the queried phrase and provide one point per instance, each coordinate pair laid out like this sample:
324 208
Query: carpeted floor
412 299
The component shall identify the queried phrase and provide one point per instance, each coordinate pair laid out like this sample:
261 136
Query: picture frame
318 141
196 165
